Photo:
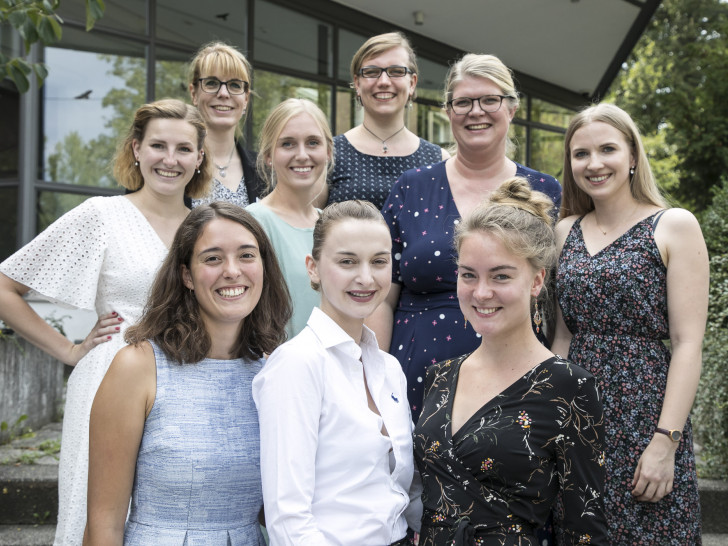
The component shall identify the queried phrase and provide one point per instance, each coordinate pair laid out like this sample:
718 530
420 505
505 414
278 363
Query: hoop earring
537 319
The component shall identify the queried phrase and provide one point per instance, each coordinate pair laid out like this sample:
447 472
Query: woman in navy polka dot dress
421 322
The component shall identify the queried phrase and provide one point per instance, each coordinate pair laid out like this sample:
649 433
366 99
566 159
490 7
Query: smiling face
600 160
385 95
495 286
168 155
300 154
226 274
221 110
479 130
354 271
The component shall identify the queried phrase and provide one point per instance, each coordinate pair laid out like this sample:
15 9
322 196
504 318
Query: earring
466 324
410 103
631 170
537 319
136 163
358 100
245 111
198 170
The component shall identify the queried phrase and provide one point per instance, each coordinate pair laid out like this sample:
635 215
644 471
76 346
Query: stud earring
410 102
631 170
198 170
537 319
136 163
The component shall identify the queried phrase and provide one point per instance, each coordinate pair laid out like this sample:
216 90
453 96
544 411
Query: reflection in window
89 101
547 152
431 80
289 39
349 43
170 78
550 114
348 114
53 205
271 89
195 23
129 15
8 220
432 124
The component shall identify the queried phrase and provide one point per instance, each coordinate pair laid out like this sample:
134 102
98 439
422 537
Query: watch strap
674 435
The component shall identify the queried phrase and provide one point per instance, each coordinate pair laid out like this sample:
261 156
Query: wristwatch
674 435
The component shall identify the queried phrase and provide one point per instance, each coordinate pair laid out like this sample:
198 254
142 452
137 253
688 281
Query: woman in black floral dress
507 429
632 274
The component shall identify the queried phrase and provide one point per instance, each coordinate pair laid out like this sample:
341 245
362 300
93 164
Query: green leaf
17 19
41 72
22 65
49 30
17 76
94 12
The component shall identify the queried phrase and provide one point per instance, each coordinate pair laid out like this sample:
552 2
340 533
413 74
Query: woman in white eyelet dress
103 256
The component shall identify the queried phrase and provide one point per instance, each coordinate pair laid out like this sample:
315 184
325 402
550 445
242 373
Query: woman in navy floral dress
632 274
510 427
421 322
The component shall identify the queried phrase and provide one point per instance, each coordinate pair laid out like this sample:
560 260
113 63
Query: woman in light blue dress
174 426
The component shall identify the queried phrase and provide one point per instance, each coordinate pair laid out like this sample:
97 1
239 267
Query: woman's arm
122 403
562 335
381 320
288 393
16 313
681 243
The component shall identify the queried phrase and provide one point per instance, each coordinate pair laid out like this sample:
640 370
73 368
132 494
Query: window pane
129 15
170 80
550 114
193 22
288 39
431 80
89 99
522 112
547 152
52 205
431 124
8 220
272 89
349 43
10 134
517 134
347 113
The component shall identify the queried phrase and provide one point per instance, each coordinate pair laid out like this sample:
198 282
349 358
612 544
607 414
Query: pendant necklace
383 141
223 168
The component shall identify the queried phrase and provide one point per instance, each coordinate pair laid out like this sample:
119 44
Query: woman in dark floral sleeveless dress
631 275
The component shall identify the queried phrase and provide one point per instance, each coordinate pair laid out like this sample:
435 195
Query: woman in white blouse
336 431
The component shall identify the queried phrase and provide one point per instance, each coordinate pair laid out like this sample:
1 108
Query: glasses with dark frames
374 72
213 85
488 103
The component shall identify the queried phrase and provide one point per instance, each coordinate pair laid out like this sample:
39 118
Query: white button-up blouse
324 461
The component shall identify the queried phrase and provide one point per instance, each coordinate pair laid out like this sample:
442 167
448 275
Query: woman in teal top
295 153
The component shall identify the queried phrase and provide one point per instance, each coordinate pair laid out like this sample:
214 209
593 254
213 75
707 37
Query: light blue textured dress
197 477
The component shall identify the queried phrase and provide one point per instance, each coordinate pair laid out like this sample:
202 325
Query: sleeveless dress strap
657 217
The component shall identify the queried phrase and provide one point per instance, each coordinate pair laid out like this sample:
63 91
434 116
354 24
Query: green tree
675 85
36 20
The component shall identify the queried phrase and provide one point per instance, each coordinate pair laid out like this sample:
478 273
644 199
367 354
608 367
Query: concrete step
708 540
28 494
27 535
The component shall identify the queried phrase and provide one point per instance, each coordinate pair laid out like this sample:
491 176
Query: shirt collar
331 334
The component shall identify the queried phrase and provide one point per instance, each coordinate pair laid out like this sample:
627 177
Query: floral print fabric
615 305
497 478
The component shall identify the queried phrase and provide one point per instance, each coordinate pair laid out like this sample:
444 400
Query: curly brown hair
172 317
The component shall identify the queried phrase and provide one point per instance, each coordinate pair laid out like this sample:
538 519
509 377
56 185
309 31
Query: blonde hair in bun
520 217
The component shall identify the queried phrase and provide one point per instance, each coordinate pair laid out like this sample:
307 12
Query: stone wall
31 383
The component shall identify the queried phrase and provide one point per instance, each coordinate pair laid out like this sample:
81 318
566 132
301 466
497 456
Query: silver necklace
383 141
223 168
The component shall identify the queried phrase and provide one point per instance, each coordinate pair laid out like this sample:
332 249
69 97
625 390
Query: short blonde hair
376 45
126 171
642 184
274 124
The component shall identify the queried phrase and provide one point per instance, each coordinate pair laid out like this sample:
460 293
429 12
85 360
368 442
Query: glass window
431 124
431 80
547 152
517 134
194 22
8 220
52 205
272 89
349 44
10 134
522 112
129 15
89 99
348 113
170 79
289 39
550 114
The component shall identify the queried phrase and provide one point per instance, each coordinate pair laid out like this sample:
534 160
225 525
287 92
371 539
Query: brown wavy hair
127 173
172 317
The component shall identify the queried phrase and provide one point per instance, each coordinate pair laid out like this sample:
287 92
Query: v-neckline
479 411
632 227
146 221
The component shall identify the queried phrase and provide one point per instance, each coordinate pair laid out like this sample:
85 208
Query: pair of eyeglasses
488 103
213 85
374 72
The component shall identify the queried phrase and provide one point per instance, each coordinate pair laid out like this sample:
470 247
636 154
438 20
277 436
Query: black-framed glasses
374 72
213 85
488 103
